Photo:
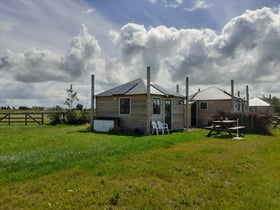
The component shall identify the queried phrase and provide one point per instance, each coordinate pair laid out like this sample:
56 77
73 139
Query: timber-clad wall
204 116
177 114
108 106
214 106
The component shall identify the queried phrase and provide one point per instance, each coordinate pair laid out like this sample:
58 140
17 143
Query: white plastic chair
163 126
154 127
157 128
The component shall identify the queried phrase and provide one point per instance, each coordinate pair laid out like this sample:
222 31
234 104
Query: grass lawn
66 167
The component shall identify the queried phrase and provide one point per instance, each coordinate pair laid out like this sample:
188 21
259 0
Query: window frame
203 107
158 104
129 105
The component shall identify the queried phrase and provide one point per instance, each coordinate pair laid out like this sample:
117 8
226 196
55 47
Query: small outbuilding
205 105
135 104
259 106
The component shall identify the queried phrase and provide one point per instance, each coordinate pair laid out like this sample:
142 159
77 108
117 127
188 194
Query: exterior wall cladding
108 106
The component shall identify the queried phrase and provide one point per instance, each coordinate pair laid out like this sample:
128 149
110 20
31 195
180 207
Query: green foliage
79 107
253 123
71 98
71 117
76 118
274 101
55 118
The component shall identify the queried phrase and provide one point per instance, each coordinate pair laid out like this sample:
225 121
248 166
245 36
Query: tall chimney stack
232 95
247 97
187 104
177 88
148 100
92 102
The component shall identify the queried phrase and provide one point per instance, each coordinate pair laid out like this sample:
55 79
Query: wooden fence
22 118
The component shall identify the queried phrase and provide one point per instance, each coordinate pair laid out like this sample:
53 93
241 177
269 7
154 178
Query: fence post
9 118
25 119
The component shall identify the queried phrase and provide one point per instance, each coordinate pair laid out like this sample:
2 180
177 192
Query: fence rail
22 118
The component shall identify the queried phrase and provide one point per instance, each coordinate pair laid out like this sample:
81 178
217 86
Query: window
156 105
203 105
124 105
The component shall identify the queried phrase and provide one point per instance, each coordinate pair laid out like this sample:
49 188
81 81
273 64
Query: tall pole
232 95
247 98
187 104
148 100
92 101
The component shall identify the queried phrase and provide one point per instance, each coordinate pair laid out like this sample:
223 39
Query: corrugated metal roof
139 86
258 102
212 93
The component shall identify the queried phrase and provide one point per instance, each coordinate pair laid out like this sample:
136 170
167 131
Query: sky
47 45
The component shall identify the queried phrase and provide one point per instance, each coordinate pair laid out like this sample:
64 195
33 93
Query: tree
274 101
72 96
79 107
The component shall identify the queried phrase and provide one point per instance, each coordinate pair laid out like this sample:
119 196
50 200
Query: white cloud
198 4
245 50
43 65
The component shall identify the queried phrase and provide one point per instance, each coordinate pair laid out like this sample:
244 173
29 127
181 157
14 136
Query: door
168 112
193 114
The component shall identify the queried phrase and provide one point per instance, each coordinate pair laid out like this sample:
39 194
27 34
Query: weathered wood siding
109 107
261 110
204 116
136 120
177 114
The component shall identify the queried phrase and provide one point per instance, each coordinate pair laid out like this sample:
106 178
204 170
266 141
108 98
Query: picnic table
224 125
275 121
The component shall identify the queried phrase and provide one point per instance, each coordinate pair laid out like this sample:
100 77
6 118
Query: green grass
65 167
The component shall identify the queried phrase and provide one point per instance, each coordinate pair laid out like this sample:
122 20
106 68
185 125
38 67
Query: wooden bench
274 123
211 127
236 127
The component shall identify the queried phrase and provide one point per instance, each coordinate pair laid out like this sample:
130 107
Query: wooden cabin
134 105
206 104
259 106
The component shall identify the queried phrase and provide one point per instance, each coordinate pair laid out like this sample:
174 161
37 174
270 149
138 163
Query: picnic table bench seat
211 127
236 127
274 123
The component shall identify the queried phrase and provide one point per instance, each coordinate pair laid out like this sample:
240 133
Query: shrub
70 117
253 123
55 118
76 118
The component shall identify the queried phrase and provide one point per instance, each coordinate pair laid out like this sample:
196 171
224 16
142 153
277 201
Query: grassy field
66 167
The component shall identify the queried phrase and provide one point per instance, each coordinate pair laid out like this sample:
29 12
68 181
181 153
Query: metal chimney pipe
148 100
232 95
247 97
177 88
232 88
92 101
187 104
